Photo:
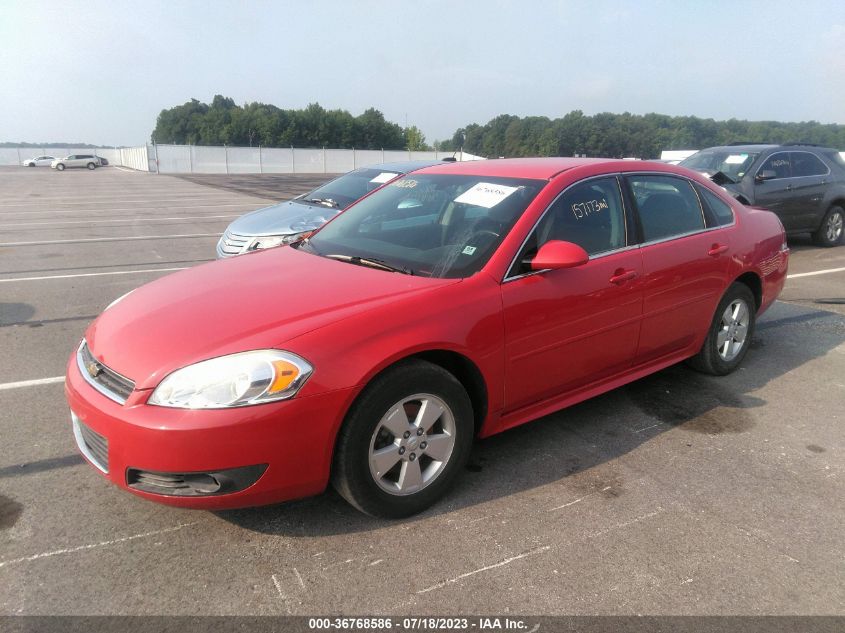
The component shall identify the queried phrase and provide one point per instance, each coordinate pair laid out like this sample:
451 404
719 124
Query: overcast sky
100 72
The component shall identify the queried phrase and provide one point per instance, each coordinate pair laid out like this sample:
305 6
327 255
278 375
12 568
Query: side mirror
766 174
556 254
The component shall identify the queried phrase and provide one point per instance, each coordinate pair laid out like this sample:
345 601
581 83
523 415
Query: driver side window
589 214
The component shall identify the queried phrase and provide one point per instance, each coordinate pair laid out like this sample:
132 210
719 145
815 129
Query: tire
30 164
60 167
832 229
91 166
721 359
398 399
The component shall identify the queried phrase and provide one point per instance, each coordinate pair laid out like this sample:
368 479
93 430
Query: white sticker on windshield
385 176
736 159
485 194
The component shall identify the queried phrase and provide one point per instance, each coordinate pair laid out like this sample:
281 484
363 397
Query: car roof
750 147
543 168
404 166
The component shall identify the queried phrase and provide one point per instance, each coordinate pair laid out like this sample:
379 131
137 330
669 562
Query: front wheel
831 231
404 441
730 332
60 167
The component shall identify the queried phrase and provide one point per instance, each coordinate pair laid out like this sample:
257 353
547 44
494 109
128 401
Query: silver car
285 222
38 161
76 160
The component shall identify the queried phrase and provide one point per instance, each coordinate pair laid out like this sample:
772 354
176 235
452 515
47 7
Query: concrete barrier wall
195 159
132 157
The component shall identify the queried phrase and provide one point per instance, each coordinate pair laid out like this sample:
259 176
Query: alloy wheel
733 330
412 444
834 227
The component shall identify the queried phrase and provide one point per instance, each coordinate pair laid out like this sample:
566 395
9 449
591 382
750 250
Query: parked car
285 222
803 184
38 161
457 301
76 160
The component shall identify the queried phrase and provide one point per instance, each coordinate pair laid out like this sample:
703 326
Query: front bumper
293 438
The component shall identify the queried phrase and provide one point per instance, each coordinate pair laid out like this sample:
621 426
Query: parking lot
678 494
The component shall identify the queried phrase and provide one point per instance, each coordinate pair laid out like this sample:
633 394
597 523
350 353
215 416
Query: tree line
223 122
620 135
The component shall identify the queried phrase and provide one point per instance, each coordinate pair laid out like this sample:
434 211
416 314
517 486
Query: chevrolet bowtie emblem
94 369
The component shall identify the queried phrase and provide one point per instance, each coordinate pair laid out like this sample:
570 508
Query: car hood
283 219
256 301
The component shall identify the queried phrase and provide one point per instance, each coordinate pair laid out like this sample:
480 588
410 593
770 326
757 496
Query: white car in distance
38 161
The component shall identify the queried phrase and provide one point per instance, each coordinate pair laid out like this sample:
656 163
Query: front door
567 328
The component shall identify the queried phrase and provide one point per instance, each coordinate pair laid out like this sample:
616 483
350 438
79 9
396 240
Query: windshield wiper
372 263
324 201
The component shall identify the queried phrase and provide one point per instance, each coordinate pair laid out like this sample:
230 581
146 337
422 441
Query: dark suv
803 184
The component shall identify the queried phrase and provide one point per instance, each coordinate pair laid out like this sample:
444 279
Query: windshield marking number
583 209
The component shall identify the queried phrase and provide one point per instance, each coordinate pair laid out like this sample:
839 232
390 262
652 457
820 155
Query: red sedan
455 302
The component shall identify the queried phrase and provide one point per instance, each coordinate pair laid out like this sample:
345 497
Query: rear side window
806 164
667 206
779 163
720 210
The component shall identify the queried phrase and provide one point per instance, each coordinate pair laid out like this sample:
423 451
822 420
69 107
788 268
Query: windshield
432 225
732 164
343 191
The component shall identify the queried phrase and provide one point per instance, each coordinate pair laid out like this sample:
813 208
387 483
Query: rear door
685 262
809 181
567 328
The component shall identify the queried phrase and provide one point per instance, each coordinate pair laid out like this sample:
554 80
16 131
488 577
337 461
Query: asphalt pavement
678 494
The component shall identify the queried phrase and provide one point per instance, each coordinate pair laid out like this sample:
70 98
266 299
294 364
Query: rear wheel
832 229
404 442
730 332
91 166
60 167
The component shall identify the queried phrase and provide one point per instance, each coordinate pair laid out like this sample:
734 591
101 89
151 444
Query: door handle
620 276
789 187
717 249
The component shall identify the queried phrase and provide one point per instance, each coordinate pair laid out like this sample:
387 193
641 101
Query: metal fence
132 157
195 159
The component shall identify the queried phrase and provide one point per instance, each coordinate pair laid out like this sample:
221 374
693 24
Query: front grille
93 445
107 381
232 244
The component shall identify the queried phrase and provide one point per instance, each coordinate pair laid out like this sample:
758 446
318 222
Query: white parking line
110 239
96 221
31 383
817 272
113 272
146 206
82 548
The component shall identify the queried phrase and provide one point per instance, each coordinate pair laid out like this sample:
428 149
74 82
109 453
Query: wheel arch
755 284
463 368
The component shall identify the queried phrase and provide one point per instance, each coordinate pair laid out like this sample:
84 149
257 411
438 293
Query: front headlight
236 380
270 241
